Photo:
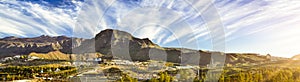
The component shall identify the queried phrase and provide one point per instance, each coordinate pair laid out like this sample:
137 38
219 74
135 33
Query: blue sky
250 26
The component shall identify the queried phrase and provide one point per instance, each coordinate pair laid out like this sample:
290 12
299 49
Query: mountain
109 38
120 44
10 46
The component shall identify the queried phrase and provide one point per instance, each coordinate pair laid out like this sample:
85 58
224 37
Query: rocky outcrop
108 41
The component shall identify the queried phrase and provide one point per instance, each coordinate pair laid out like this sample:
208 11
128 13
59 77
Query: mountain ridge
43 44
120 44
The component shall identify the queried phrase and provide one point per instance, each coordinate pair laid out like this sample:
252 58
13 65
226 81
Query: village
33 68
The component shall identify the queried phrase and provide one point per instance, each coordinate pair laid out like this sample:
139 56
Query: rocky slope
109 40
10 46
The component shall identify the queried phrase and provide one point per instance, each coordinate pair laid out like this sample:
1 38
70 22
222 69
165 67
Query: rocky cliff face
43 44
109 40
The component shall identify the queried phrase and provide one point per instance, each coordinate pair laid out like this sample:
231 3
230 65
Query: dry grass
55 55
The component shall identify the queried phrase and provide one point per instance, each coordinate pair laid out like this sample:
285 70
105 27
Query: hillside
296 57
10 46
57 55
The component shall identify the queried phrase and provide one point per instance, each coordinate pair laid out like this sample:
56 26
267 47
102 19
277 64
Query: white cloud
25 19
267 28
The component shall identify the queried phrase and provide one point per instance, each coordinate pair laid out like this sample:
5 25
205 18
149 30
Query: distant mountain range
19 46
119 44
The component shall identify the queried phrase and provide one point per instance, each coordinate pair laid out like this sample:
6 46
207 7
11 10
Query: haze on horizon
250 26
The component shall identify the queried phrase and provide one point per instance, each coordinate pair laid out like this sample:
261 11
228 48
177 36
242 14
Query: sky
243 26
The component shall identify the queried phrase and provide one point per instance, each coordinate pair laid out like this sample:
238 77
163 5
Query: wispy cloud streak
26 19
